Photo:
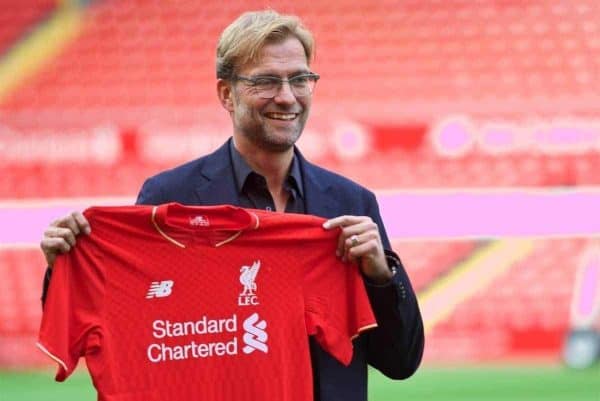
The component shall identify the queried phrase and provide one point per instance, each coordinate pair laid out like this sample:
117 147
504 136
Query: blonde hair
241 42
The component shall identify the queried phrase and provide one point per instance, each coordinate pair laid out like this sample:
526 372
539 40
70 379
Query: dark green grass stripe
535 383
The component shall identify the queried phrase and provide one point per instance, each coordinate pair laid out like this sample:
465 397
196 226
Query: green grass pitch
476 383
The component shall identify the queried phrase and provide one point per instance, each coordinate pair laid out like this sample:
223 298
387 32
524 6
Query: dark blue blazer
396 346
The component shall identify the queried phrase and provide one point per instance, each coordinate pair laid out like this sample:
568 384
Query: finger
364 227
61 232
51 247
75 221
371 260
343 221
358 241
55 244
364 249
71 224
82 222
349 243
359 228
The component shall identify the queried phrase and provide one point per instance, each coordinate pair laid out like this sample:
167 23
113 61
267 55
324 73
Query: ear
225 93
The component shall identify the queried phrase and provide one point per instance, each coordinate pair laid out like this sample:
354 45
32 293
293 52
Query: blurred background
477 123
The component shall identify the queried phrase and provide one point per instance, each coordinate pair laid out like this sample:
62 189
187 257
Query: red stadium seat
531 299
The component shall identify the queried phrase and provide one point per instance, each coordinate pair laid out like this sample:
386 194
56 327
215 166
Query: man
265 83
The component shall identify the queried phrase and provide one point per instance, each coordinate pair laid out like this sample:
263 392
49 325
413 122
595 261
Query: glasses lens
302 85
269 87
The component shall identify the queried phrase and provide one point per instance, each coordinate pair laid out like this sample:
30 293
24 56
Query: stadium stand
394 54
525 313
139 78
18 18
20 308
134 61
430 260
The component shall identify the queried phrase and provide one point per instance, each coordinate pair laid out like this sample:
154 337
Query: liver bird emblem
247 277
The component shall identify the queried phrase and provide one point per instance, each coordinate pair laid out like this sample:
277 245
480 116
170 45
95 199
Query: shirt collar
242 170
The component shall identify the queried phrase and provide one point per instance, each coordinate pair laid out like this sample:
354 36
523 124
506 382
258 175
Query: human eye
300 80
265 82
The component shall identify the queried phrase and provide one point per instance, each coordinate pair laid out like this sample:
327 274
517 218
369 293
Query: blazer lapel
216 185
320 198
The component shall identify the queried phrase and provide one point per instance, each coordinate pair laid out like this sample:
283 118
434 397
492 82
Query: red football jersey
201 303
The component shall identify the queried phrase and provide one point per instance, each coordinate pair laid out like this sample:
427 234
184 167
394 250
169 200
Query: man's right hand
61 235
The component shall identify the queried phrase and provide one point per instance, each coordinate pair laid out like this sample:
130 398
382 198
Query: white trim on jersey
161 232
52 356
364 328
179 244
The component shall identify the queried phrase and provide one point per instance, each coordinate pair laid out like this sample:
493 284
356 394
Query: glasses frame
252 81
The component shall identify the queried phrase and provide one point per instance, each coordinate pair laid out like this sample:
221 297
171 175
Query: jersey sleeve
337 307
70 324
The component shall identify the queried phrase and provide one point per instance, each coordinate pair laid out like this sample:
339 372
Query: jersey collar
217 224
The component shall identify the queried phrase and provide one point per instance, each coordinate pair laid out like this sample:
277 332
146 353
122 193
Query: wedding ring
354 240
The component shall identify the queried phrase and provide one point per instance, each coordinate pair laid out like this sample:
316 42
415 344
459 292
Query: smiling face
269 124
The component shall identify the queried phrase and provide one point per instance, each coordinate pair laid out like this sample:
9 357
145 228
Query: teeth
281 116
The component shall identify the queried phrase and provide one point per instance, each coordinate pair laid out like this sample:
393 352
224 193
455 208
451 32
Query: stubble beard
264 136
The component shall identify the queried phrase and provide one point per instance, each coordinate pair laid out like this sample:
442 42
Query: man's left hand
360 242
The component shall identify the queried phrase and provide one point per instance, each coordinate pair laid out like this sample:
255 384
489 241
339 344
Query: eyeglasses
267 87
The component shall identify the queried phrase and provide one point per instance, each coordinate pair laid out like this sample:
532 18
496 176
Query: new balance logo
255 337
160 289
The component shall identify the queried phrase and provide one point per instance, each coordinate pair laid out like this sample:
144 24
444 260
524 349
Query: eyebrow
270 74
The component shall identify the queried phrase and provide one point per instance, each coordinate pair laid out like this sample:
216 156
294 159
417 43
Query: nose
285 94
